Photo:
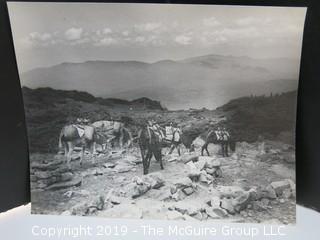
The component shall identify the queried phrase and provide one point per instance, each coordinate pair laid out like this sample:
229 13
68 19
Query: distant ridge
176 84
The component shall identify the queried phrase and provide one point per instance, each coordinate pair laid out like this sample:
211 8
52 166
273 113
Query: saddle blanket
80 130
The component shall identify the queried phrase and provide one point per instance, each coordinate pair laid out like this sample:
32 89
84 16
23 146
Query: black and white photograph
160 111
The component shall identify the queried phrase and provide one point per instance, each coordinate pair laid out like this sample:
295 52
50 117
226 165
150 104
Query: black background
14 164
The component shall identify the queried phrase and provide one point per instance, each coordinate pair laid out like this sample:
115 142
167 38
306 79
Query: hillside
48 110
274 114
176 84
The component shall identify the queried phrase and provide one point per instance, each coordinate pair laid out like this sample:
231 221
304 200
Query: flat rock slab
73 183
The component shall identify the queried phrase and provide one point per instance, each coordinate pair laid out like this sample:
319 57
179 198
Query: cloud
38 39
73 33
211 22
107 41
183 40
106 31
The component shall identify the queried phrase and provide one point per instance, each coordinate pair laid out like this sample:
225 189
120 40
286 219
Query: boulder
280 186
240 202
121 168
162 194
200 164
109 165
135 190
219 211
227 205
215 202
190 158
88 207
211 213
188 190
178 195
183 182
194 172
205 178
213 163
66 176
269 193
211 171
190 208
155 180
132 159
230 191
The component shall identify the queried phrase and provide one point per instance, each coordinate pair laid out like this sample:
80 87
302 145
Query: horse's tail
60 138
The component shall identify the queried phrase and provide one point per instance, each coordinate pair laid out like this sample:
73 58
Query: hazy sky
50 33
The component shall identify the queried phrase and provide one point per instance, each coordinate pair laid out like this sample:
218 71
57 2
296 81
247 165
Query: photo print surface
160 111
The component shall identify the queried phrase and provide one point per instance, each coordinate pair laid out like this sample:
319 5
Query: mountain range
206 81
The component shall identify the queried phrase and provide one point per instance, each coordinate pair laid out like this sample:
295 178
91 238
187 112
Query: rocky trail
254 184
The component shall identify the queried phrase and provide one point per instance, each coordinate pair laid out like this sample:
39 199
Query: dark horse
150 145
225 143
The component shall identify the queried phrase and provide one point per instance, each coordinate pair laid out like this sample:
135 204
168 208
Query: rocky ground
254 184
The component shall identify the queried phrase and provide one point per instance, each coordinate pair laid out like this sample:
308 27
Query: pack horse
72 135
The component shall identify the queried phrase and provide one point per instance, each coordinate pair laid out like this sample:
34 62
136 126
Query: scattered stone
227 205
134 190
188 190
155 180
213 163
269 192
211 171
212 213
123 168
162 194
215 202
287 193
183 182
174 215
230 191
89 207
200 164
205 178
66 213
190 208
280 186
193 158
179 195
68 194
109 165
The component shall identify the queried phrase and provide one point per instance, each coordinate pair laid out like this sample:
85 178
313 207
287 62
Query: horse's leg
93 151
83 148
171 148
65 150
159 156
147 162
69 155
178 149
223 149
226 149
121 137
202 149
